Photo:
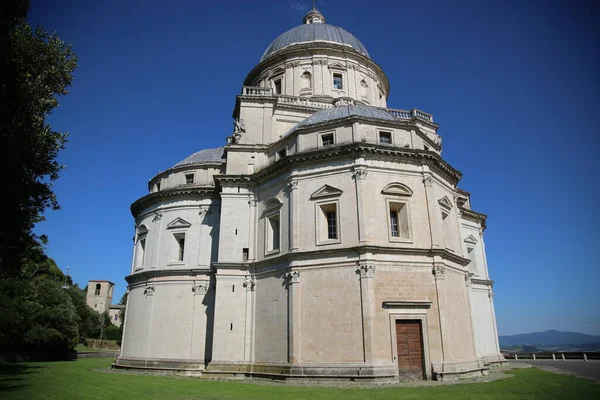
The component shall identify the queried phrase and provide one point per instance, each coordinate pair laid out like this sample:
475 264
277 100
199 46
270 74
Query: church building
327 238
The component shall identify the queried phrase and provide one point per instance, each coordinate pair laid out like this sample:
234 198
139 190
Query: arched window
97 292
306 80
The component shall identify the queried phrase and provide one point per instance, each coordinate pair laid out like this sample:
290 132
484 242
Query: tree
53 330
35 68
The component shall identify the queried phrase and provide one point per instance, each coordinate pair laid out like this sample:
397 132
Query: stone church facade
327 238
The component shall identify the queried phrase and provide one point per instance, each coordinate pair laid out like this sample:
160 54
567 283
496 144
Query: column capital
292 184
249 283
427 181
149 290
360 173
199 288
292 277
439 271
366 271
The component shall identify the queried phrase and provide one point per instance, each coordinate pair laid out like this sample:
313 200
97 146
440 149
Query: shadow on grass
13 376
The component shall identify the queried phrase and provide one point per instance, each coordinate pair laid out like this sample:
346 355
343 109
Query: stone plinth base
493 360
458 370
166 366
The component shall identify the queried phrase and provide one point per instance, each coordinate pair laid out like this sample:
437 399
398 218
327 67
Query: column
367 301
293 279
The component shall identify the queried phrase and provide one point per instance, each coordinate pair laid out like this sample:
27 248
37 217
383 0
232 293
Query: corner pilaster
367 302
292 282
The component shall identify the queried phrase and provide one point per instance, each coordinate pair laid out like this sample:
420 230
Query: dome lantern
314 16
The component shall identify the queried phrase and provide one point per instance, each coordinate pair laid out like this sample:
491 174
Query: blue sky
514 86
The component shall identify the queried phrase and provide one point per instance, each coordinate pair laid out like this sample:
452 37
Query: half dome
314 33
331 114
207 156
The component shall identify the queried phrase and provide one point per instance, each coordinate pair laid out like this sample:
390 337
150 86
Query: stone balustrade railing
257 91
414 113
306 102
301 101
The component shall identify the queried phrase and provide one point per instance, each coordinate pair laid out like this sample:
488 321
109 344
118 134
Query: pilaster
250 285
360 175
293 280
435 220
367 301
293 213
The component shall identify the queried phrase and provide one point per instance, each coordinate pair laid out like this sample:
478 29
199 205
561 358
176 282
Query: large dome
317 32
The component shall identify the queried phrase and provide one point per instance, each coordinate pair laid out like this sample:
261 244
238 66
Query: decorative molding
445 203
178 223
407 304
252 202
397 189
249 283
326 191
149 290
366 271
428 181
292 277
485 282
200 288
474 216
439 271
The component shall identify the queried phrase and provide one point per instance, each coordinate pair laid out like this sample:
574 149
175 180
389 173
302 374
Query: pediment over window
397 189
445 203
272 204
178 223
470 239
326 191
337 66
142 230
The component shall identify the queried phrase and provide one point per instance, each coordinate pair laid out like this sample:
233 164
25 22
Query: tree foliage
35 68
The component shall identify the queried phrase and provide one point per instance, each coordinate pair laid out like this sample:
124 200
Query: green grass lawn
90 379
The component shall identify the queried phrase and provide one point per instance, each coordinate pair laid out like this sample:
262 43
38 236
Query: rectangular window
273 233
331 225
277 83
116 317
327 139
189 179
245 253
446 227
179 246
338 82
385 137
142 252
394 223
157 186
473 264
328 223
399 228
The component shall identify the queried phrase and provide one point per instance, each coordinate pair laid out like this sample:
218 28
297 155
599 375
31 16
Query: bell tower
99 295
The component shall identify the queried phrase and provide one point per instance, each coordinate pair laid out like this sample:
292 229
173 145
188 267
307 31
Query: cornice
485 282
474 216
173 193
355 150
142 276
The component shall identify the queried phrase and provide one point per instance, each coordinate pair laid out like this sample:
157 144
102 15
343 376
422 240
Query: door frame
395 316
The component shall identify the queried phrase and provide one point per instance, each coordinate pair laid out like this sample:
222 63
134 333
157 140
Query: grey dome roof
315 33
208 156
330 114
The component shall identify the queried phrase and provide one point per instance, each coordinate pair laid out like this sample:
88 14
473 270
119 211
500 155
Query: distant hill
548 338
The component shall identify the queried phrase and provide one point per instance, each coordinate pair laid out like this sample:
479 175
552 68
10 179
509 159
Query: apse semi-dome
207 156
315 32
330 114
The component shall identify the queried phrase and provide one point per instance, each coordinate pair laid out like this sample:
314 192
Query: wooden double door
409 342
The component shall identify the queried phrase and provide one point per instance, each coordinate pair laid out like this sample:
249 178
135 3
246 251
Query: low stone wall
98 354
559 356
